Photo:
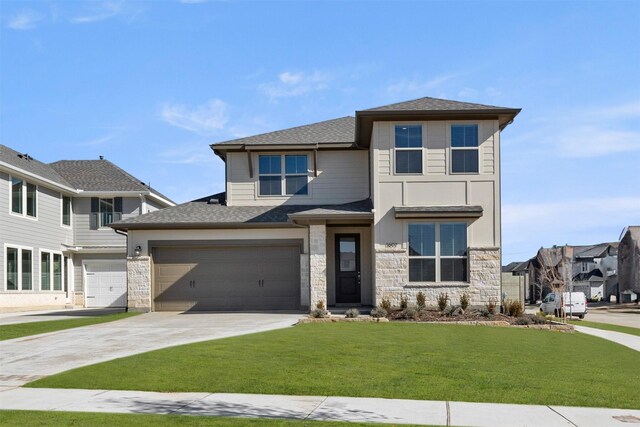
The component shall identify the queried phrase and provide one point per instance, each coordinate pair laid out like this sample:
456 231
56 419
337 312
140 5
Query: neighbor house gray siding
45 232
104 236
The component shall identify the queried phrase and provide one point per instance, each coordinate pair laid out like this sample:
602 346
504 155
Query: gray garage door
227 278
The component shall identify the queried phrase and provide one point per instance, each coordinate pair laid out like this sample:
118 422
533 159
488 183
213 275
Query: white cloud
418 86
291 84
24 20
593 141
203 119
99 12
98 141
188 155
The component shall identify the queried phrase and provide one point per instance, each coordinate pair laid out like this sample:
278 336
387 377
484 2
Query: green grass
391 360
607 327
42 418
18 330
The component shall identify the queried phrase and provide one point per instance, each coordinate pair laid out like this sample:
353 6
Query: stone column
317 264
139 283
484 275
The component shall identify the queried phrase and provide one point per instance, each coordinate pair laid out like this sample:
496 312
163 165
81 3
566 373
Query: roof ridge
424 98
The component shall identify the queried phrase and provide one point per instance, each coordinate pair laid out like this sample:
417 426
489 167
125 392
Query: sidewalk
321 408
628 340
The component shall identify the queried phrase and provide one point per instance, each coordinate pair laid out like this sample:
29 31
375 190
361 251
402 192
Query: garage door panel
228 278
106 284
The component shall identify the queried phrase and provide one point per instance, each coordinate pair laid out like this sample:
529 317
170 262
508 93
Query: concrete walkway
28 358
321 408
628 340
13 318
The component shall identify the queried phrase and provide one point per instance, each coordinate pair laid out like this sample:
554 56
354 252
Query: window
19 269
23 199
296 173
408 149
57 272
45 271
438 252
106 212
66 210
16 195
12 269
464 148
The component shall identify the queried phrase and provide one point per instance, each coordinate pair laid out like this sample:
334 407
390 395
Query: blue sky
150 84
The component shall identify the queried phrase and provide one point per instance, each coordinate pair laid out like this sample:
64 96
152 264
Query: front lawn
391 360
607 327
18 330
42 418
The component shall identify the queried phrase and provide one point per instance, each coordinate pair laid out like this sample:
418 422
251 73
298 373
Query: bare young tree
551 273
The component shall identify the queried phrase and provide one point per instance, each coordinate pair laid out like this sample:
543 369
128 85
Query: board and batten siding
45 232
436 186
342 178
104 236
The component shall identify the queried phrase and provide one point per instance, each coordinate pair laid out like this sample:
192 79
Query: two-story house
57 246
397 200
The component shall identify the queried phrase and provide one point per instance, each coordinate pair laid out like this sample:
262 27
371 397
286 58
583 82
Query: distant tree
551 274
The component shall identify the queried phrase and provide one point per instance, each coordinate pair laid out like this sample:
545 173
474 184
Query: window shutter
117 205
95 211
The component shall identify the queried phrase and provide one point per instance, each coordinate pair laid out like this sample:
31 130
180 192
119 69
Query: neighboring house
629 262
397 200
591 269
57 246
515 281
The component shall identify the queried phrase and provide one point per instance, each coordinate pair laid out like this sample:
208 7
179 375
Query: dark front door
347 268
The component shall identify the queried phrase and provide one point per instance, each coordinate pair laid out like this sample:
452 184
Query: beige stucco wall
342 177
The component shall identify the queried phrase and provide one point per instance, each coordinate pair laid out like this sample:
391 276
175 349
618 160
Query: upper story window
104 211
438 252
408 149
272 181
66 210
464 148
23 197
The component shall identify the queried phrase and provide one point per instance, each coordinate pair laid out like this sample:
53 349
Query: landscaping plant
385 304
352 313
464 301
421 301
443 299
404 302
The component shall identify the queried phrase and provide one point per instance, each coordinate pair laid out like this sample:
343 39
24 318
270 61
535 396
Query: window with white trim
23 197
408 149
438 252
273 182
66 210
19 269
106 212
464 148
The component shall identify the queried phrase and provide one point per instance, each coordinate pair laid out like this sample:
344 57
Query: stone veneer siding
392 279
317 264
304 280
139 283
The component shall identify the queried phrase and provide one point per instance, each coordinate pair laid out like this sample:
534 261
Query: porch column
317 264
139 283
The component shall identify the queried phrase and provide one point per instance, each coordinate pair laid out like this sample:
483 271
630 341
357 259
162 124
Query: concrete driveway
29 358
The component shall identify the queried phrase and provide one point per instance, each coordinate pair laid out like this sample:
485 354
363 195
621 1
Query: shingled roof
201 214
340 130
27 163
433 104
99 175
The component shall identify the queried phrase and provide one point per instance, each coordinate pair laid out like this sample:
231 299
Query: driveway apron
29 358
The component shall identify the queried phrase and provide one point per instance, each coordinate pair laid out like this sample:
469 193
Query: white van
575 304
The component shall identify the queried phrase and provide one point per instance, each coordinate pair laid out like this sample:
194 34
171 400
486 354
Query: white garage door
106 284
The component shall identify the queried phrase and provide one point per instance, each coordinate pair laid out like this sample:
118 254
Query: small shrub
421 301
443 299
538 319
491 306
378 312
320 305
404 303
524 320
385 304
513 308
318 313
410 313
464 301
352 313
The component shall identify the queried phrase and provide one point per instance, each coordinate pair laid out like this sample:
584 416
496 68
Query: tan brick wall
318 264
139 283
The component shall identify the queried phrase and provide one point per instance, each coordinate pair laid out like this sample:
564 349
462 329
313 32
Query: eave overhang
365 119
469 212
